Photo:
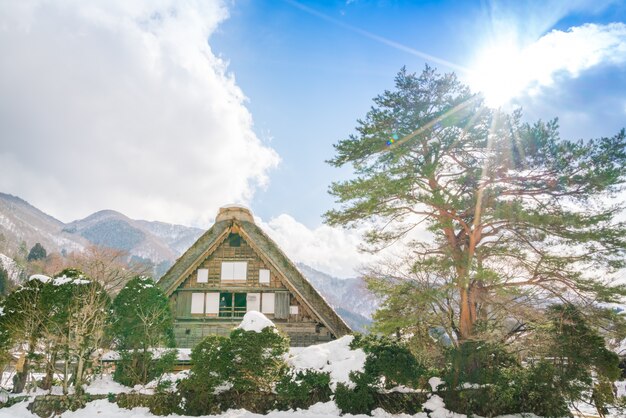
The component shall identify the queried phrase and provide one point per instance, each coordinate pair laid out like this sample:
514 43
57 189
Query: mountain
155 241
350 297
159 243
22 222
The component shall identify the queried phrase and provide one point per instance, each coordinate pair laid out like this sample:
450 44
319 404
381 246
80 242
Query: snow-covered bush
210 360
257 359
249 363
390 363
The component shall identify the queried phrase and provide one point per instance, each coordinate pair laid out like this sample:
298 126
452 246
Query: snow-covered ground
334 357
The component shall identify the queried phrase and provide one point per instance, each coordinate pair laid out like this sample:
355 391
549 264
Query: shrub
358 400
159 404
389 362
248 362
303 389
140 367
257 359
210 361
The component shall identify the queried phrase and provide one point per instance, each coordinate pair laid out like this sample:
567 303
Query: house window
232 305
254 302
197 303
234 240
293 310
234 270
212 303
264 276
267 303
203 276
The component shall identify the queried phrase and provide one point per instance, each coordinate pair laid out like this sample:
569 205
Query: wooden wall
303 328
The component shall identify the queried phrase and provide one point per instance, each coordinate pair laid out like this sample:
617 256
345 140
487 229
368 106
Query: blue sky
309 74
166 109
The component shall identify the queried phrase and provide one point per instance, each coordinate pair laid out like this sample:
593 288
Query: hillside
155 241
22 222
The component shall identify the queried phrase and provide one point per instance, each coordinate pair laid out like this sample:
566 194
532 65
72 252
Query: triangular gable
183 267
269 252
265 246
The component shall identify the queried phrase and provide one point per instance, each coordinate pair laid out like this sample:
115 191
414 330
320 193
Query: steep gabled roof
264 246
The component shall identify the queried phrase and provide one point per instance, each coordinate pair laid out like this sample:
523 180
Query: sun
500 72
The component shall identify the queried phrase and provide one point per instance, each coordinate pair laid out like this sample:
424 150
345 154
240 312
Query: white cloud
123 105
504 70
334 250
325 248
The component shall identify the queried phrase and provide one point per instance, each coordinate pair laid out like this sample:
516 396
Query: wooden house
235 267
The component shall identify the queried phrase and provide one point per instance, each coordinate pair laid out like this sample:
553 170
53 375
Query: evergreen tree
22 321
141 320
516 213
38 252
141 316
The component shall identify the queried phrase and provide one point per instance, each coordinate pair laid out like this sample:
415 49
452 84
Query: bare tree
108 266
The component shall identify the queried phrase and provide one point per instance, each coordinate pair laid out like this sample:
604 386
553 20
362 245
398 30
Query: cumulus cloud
123 105
334 250
504 70
325 248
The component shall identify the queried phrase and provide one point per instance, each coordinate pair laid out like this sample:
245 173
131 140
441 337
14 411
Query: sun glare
500 73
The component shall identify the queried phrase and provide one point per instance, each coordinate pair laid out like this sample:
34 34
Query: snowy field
335 357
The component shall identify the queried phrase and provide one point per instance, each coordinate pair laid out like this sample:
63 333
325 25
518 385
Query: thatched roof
268 249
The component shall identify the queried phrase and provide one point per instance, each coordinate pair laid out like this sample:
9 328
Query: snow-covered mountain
155 241
11 267
22 222
350 297
342 292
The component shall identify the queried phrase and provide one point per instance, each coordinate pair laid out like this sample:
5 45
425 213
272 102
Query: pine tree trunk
467 314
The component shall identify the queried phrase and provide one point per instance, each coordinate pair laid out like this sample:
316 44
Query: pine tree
38 252
141 320
516 214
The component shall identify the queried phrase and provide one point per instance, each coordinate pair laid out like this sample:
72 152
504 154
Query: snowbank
255 321
334 357
184 354
102 385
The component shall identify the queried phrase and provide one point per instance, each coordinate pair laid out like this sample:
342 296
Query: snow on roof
255 321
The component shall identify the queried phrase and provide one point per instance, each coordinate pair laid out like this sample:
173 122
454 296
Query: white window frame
197 303
268 301
264 276
202 276
234 271
293 310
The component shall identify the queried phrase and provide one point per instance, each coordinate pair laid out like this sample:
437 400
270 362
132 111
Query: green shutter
281 305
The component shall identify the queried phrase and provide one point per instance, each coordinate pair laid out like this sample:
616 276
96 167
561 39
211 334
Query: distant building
235 267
